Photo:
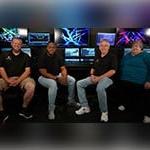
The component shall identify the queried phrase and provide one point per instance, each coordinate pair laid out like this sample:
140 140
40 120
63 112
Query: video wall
79 45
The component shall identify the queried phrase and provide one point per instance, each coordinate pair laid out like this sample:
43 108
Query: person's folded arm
45 74
25 74
108 74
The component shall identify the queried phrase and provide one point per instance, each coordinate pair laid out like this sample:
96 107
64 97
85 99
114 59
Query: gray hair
139 42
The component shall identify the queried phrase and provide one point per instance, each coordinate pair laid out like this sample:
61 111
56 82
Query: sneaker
104 116
3 117
74 104
82 110
121 108
146 119
51 115
25 113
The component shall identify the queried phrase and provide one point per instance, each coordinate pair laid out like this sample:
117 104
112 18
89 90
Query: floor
66 114
123 131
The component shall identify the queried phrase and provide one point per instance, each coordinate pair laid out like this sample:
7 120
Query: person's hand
147 85
62 80
13 81
10 80
94 79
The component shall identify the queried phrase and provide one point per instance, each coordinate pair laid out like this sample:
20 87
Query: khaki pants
4 85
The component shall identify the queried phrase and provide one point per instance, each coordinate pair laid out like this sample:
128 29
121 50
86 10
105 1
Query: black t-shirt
52 63
14 65
104 64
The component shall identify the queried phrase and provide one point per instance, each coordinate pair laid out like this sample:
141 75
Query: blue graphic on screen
38 38
108 36
87 52
7 34
71 52
27 50
126 36
71 36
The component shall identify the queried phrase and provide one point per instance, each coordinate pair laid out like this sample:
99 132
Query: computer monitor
71 52
87 52
26 50
146 50
71 37
5 49
7 34
38 38
126 51
108 36
126 36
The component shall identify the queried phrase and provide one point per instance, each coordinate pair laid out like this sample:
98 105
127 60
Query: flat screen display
71 52
7 34
26 50
87 52
38 38
108 36
126 36
75 37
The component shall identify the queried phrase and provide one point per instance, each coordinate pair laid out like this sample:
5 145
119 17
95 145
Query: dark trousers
133 96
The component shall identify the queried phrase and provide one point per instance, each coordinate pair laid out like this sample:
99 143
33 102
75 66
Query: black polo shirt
52 63
14 65
104 64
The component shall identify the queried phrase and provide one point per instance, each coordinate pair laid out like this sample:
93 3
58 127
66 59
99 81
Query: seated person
15 71
105 66
135 80
53 71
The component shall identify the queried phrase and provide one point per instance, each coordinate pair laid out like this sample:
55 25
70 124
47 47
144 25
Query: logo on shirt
8 58
97 60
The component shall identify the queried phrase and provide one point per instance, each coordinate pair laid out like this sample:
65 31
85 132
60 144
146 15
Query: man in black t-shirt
53 70
105 65
15 71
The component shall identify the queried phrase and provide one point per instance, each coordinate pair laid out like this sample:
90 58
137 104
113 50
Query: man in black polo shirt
53 70
15 71
105 65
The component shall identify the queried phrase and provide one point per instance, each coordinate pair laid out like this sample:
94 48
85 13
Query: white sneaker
82 110
121 108
51 115
104 116
146 119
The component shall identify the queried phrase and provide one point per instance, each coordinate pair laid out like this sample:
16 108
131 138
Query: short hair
52 43
139 42
104 40
17 38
